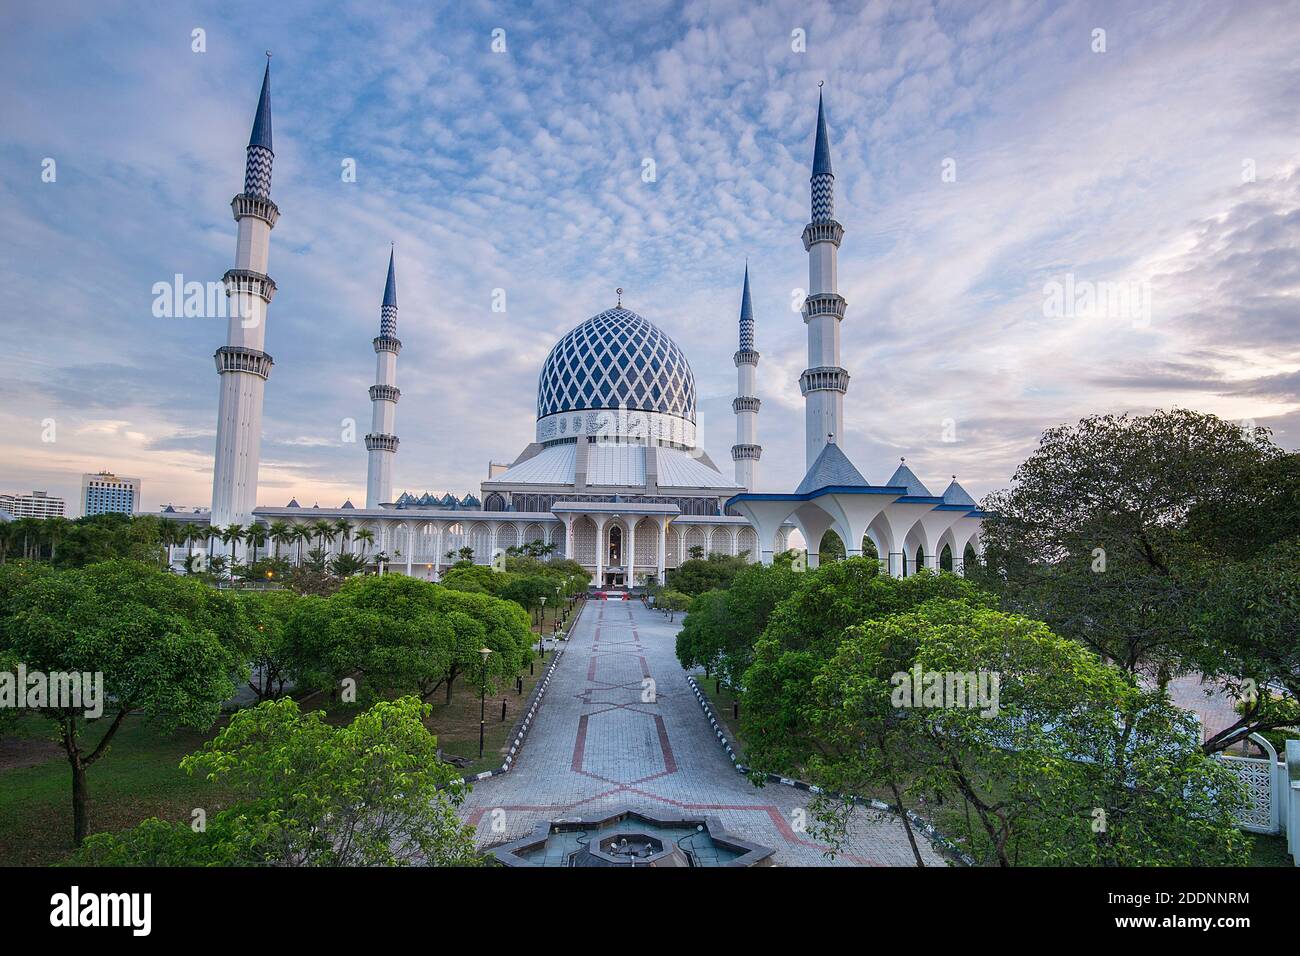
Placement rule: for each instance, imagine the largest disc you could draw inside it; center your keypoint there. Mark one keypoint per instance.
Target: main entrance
(614, 574)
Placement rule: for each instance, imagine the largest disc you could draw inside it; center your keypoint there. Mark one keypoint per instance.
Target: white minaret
(241, 363)
(746, 451)
(824, 382)
(381, 443)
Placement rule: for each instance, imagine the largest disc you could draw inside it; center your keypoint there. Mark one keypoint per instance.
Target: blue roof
(955, 494)
(348, 504)
(390, 287)
(822, 151)
(903, 476)
(293, 503)
(832, 467)
(262, 122)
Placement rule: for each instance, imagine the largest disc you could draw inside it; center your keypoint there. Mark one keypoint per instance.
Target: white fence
(1272, 792)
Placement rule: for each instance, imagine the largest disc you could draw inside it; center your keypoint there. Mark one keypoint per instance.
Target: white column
(600, 552)
(410, 548)
(663, 549)
(629, 577)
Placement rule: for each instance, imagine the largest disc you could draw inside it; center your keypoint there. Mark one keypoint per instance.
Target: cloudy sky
(987, 156)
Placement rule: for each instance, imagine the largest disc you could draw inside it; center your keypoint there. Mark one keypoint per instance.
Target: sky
(996, 165)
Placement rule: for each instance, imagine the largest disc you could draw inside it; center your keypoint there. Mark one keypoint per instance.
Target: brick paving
(598, 743)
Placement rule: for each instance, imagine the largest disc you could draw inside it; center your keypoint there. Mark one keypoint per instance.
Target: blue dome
(614, 360)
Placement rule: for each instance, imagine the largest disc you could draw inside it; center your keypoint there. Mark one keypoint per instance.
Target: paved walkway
(596, 745)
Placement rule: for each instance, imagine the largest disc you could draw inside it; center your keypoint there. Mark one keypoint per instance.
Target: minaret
(746, 452)
(381, 443)
(824, 382)
(241, 363)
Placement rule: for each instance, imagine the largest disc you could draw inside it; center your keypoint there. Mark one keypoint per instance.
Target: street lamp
(482, 700)
(541, 623)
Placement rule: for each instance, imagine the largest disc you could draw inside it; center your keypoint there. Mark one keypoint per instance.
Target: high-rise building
(104, 492)
(39, 504)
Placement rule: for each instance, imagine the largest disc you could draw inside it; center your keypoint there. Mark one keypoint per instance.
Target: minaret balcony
(823, 303)
(827, 230)
(746, 452)
(254, 283)
(745, 357)
(236, 358)
(259, 207)
(385, 393)
(381, 443)
(824, 379)
(745, 403)
(388, 343)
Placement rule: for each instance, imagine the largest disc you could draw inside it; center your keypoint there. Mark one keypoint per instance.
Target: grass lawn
(456, 724)
(1269, 851)
(721, 701)
(140, 776)
(137, 778)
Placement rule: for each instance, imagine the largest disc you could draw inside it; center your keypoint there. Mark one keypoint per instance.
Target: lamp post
(557, 610)
(482, 700)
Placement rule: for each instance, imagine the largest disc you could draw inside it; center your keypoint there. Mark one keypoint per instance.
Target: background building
(38, 504)
(105, 492)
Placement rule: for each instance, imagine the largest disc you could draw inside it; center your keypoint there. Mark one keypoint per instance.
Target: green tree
(672, 602)
(722, 627)
(708, 574)
(268, 614)
(165, 645)
(370, 793)
(1116, 529)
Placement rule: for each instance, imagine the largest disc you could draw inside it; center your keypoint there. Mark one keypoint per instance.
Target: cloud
(524, 172)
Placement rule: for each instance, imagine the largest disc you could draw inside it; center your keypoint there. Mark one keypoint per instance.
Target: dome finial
(620, 297)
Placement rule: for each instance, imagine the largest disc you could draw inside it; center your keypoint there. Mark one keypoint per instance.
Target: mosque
(614, 478)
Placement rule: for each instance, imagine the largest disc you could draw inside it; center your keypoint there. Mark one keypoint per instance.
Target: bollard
(503, 710)
(519, 685)
(735, 710)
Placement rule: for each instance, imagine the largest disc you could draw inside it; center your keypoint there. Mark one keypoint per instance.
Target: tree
(473, 578)
(722, 627)
(708, 574)
(1043, 743)
(366, 537)
(672, 602)
(232, 535)
(166, 645)
(280, 532)
(256, 536)
(268, 614)
(370, 793)
(1116, 530)
(346, 565)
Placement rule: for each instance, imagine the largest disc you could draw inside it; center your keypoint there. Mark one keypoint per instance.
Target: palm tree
(280, 532)
(366, 537)
(324, 531)
(303, 534)
(30, 531)
(169, 533)
(232, 536)
(6, 534)
(344, 528)
(58, 529)
(257, 535)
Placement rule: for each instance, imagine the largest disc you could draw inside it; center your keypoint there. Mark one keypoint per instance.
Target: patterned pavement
(596, 744)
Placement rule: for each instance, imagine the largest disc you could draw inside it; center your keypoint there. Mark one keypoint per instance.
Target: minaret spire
(746, 452)
(823, 382)
(241, 362)
(381, 443)
(257, 165)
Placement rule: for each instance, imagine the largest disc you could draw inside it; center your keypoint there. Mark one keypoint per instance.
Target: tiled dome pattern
(616, 359)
